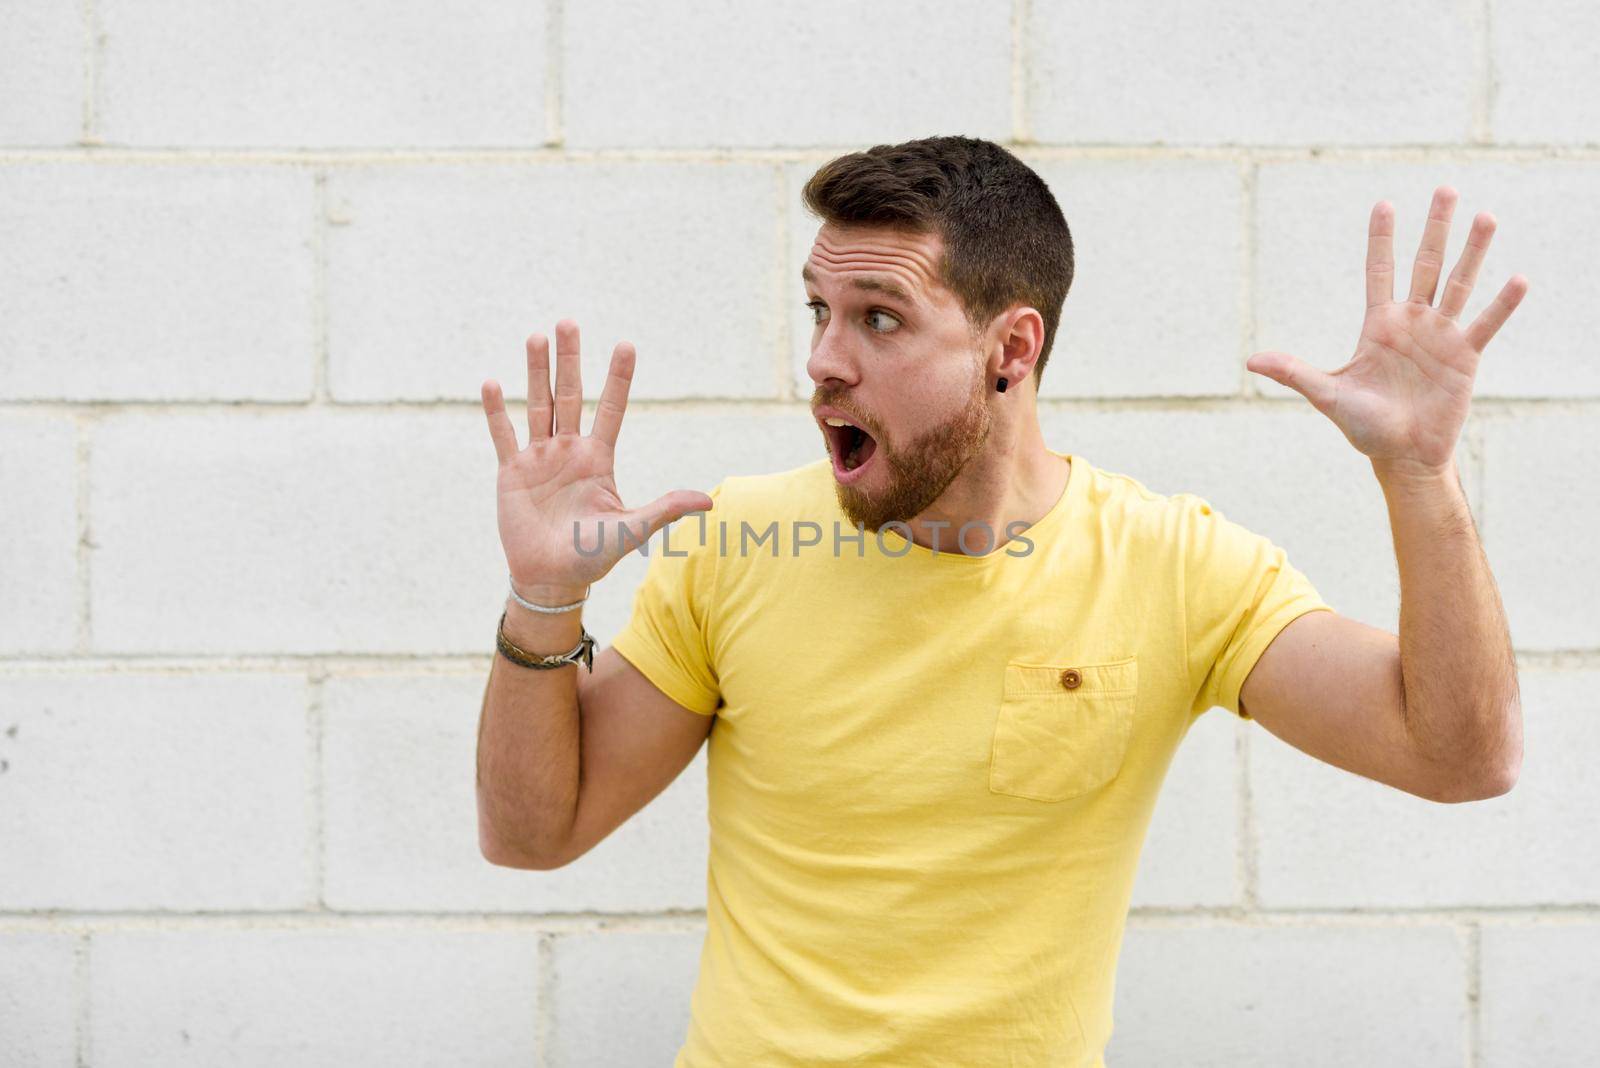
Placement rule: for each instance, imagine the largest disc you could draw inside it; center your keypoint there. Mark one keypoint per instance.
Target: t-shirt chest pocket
(1063, 728)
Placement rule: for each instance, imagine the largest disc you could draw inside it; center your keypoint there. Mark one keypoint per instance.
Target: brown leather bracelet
(583, 651)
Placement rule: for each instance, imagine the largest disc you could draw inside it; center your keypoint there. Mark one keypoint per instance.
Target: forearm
(1458, 668)
(528, 742)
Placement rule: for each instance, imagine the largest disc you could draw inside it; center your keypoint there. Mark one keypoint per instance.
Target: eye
(817, 308)
(886, 315)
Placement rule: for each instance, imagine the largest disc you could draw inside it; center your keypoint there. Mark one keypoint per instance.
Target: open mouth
(849, 445)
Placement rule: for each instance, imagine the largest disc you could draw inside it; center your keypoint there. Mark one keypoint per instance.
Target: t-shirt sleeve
(667, 636)
(1240, 592)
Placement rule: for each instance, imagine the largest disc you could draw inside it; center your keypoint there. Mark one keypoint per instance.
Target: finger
(1315, 386)
(538, 387)
(614, 397)
(569, 383)
(1492, 318)
(643, 522)
(1430, 256)
(1380, 254)
(1465, 276)
(500, 428)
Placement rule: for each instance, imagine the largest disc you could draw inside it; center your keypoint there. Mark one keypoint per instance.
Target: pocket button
(1070, 678)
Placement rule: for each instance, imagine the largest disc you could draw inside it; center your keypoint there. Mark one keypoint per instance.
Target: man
(941, 702)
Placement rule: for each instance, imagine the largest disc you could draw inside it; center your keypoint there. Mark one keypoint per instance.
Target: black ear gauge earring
(1000, 386)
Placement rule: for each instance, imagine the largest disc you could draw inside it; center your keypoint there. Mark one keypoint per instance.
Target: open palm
(561, 519)
(1403, 398)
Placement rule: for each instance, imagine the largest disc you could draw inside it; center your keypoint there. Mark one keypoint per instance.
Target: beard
(918, 472)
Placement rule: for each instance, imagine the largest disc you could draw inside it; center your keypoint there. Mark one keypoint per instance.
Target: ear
(1019, 338)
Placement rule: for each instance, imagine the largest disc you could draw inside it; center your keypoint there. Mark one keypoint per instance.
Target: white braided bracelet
(548, 609)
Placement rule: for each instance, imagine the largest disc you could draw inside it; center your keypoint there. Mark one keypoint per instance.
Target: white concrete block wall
(1300, 73)
(256, 261)
(164, 280)
(355, 74)
(368, 992)
(677, 73)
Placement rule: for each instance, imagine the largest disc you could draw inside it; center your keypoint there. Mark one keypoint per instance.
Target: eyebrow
(872, 283)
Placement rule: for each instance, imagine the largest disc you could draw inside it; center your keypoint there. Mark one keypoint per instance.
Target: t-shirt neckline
(893, 540)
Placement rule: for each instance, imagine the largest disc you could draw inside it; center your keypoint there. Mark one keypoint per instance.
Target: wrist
(542, 632)
(1411, 474)
(549, 595)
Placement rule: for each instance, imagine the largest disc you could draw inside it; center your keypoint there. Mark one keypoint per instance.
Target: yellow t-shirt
(931, 774)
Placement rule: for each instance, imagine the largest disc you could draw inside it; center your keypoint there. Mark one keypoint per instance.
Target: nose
(830, 364)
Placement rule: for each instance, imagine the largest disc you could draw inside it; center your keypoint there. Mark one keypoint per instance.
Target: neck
(1014, 479)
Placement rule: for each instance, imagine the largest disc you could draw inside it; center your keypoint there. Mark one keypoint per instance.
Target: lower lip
(845, 477)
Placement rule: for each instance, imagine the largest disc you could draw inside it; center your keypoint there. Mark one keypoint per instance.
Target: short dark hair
(1005, 239)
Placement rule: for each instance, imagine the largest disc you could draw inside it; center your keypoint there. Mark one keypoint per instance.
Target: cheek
(926, 392)
(923, 406)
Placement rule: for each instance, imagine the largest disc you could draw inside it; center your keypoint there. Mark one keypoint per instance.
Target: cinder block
(146, 791)
(1330, 838)
(324, 531)
(38, 997)
(1321, 997)
(369, 994)
(39, 528)
(135, 281)
(1286, 474)
(437, 275)
(1190, 856)
(399, 757)
(1540, 983)
(1133, 324)
(1541, 513)
(41, 74)
(1223, 73)
(1311, 253)
(349, 75)
(650, 974)
(827, 73)
(1546, 80)
(1159, 258)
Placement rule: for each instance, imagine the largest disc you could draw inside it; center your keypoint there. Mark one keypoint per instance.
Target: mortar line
(545, 984)
(555, 134)
(316, 804)
(1245, 854)
(783, 357)
(1492, 95)
(319, 289)
(1212, 403)
(684, 920)
(1021, 16)
(83, 1044)
(86, 109)
(1248, 181)
(1464, 152)
(83, 425)
(1483, 73)
(89, 922)
(447, 664)
(1474, 1021)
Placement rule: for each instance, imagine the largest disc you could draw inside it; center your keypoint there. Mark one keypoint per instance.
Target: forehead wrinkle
(923, 263)
(870, 283)
(895, 261)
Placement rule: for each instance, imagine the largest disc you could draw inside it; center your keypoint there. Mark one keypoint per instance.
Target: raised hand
(1403, 397)
(560, 488)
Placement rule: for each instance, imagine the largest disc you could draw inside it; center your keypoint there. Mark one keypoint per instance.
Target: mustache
(835, 401)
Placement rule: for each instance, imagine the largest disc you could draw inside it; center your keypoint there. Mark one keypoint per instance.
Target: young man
(942, 700)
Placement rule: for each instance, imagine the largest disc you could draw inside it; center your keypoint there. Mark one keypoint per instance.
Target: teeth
(837, 422)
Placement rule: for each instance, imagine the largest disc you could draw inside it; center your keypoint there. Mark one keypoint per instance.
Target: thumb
(665, 509)
(1286, 370)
